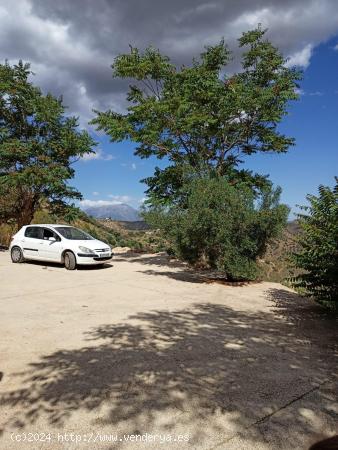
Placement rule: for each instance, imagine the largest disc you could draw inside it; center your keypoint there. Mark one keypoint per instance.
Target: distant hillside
(120, 212)
(275, 265)
(138, 225)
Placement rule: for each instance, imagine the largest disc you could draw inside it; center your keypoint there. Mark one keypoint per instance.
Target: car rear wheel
(70, 261)
(17, 255)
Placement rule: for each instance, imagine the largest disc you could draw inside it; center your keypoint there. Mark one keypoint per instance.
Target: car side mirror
(52, 239)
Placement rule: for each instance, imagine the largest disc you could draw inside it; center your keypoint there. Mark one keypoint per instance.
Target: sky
(72, 44)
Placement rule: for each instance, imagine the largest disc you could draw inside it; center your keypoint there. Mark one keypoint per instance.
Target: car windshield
(74, 234)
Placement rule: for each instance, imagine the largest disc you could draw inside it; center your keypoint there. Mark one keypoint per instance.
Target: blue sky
(115, 174)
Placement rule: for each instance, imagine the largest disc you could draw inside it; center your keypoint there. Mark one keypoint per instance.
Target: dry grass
(276, 265)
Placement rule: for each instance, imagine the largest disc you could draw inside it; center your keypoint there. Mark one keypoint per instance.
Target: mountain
(121, 212)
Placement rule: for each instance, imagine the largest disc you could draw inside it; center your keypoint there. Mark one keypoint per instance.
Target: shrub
(221, 226)
(318, 254)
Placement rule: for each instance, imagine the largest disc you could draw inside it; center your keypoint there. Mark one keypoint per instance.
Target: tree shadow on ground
(207, 368)
(158, 259)
(182, 275)
(180, 271)
(195, 276)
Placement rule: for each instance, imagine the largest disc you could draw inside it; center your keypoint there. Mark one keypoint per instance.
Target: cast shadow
(180, 271)
(189, 366)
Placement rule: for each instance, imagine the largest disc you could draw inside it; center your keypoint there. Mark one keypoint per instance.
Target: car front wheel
(70, 261)
(17, 255)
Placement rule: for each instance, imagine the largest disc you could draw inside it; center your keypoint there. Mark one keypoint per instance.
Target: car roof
(53, 225)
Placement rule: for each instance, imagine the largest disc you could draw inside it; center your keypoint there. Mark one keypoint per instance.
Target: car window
(74, 234)
(33, 232)
(47, 233)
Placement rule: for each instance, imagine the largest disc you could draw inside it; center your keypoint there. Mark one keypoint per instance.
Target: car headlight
(85, 249)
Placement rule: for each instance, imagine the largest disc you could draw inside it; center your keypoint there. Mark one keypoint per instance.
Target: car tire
(70, 261)
(16, 255)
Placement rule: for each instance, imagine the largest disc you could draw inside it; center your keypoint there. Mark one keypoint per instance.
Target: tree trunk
(26, 213)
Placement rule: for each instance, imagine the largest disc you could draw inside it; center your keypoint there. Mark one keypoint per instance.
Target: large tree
(38, 144)
(199, 118)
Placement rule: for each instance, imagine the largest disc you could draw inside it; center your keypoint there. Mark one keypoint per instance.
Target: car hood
(91, 244)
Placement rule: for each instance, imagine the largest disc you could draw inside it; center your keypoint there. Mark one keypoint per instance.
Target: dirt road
(142, 354)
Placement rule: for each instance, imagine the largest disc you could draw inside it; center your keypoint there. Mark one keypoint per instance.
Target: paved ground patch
(142, 354)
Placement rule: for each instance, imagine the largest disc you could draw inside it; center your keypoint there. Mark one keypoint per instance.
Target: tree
(38, 145)
(196, 117)
(221, 226)
(318, 242)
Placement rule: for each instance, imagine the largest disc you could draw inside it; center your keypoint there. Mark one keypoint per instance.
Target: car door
(30, 242)
(50, 246)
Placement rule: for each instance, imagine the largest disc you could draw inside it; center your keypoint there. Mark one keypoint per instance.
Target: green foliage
(318, 253)
(221, 225)
(38, 144)
(195, 116)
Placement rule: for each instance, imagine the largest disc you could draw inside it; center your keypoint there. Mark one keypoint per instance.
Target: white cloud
(316, 93)
(98, 155)
(120, 198)
(335, 47)
(96, 193)
(131, 166)
(299, 91)
(86, 203)
(313, 94)
(301, 58)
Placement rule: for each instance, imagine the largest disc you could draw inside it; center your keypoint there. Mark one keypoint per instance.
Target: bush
(221, 226)
(318, 254)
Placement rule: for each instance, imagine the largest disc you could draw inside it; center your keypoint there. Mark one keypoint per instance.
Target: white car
(58, 243)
